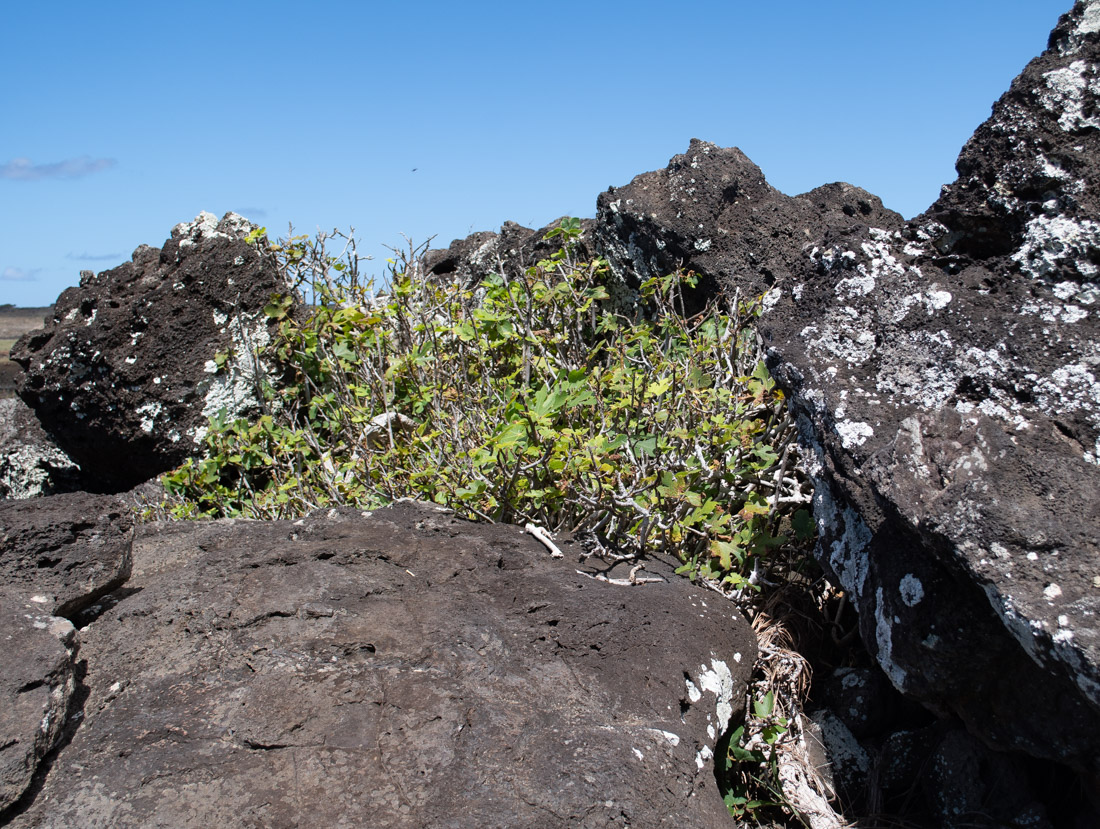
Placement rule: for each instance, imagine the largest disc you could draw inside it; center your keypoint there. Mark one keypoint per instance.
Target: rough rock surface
(405, 669)
(124, 375)
(946, 379)
(66, 550)
(37, 684)
(58, 555)
(31, 462)
(711, 211)
(514, 248)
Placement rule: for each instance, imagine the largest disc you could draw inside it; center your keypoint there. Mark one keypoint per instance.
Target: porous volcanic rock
(516, 247)
(945, 377)
(712, 211)
(124, 375)
(31, 462)
(404, 669)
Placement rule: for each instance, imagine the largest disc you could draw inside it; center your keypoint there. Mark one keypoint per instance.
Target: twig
(543, 536)
(631, 582)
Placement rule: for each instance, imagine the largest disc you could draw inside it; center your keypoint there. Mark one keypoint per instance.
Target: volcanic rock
(31, 462)
(513, 249)
(127, 372)
(945, 379)
(37, 684)
(58, 555)
(402, 669)
(66, 550)
(944, 376)
(711, 211)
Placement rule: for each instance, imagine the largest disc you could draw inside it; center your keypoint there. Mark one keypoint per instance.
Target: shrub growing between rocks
(525, 398)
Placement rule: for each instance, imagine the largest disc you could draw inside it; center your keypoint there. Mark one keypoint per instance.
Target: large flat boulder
(126, 373)
(401, 669)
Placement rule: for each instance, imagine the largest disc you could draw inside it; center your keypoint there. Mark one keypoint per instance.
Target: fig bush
(553, 396)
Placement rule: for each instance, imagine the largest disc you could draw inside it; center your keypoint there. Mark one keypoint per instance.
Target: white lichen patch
(911, 589)
(673, 739)
(850, 538)
(1073, 387)
(853, 433)
(1052, 592)
(149, 412)
(884, 626)
(845, 336)
(1049, 240)
(694, 694)
(232, 389)
(718, 680)
(702, 756)
(1090, 19)
(1073, 313)
(1088, 23)
(771, 298)
(1067, 92)
(937, 299)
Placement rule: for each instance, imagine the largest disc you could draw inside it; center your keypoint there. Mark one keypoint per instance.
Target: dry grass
(15, 322)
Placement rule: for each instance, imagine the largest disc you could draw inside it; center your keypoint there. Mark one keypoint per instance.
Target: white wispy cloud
(19, 274)
(23, 169)
(93, 257)
(252, 212)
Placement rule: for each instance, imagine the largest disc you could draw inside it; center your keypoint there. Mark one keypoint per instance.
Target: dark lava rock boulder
(125, 374)
(711, 211)
(513, 249)
(403, 669)
(31, 462)
(946, 376)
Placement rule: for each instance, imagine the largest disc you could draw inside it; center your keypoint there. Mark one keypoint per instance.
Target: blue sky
(120, 119)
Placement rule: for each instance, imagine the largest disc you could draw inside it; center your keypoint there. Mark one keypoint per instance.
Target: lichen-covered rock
(31, 463)
(861, 698)
(126, 374)
(946, 376)
(404, 669)
(516, 247)
(711, 211)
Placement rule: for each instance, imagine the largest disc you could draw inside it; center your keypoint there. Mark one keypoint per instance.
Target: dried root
(775, 730)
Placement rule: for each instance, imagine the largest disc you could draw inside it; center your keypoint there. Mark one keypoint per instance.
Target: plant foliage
(530, 397)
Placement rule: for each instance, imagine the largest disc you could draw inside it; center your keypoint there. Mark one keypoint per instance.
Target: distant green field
(5, 347)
